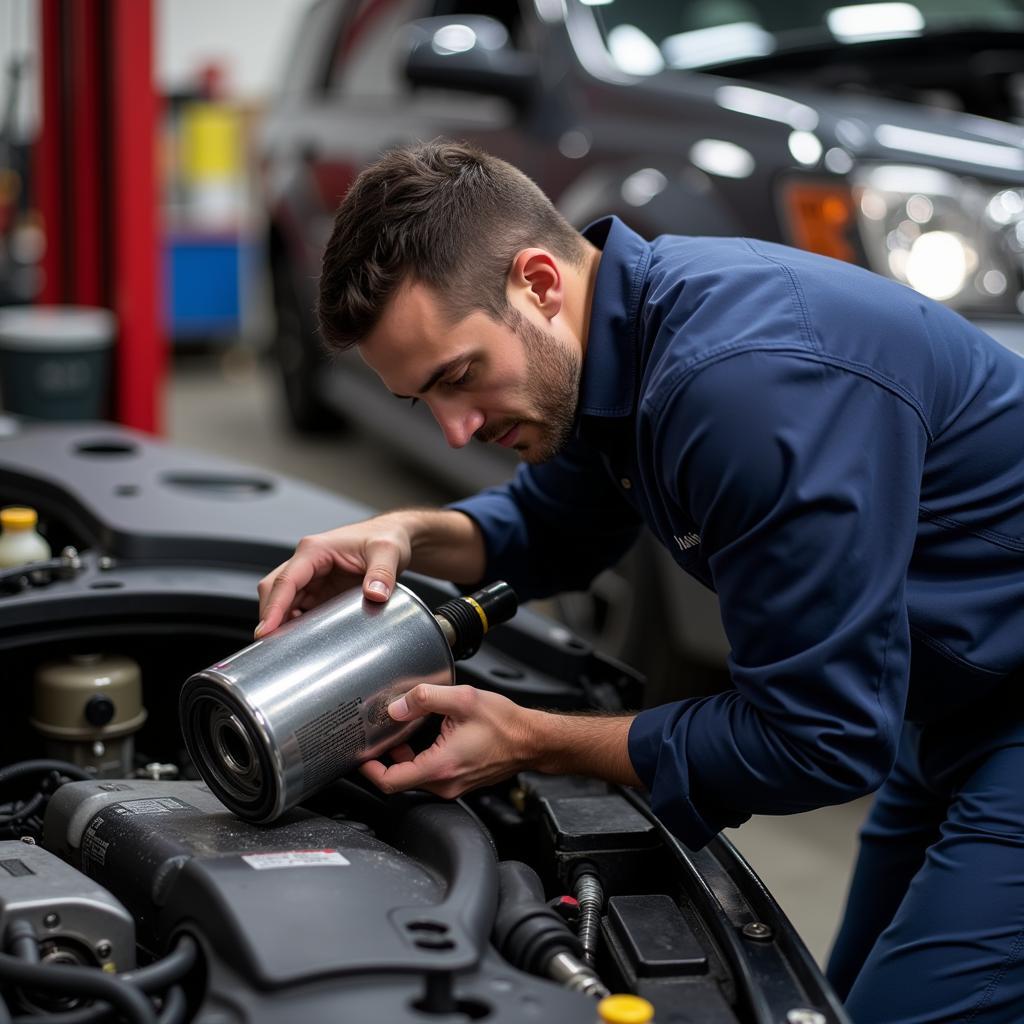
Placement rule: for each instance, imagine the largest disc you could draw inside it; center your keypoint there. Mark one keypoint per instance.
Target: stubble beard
(552, 390)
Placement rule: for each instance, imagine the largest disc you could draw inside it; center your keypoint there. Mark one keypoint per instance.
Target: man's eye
(467, 375)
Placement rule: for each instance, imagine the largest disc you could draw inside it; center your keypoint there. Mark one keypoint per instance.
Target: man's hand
(439, 542)
(375, 552)
(485, 738)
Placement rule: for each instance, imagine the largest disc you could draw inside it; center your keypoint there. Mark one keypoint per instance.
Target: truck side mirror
(472, 54)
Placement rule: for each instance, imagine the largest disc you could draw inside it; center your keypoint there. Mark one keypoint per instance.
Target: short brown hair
(440, 213)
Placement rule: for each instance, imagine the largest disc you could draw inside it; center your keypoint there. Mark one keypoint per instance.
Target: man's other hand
(484, 739)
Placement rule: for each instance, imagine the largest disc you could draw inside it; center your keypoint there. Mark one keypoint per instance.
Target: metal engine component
(89, 707)
(589, 893)
(74, 919)
(295, 710)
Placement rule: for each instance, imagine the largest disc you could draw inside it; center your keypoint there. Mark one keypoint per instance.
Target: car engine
(129, 892)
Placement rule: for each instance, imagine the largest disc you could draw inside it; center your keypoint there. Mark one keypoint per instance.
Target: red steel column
(48, 153)
(86, 138)
(133, 110)
(95, 169)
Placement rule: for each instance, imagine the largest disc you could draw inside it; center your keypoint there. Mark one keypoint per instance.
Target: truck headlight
(954, 239)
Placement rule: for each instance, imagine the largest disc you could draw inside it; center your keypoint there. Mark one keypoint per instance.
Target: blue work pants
(934, 923)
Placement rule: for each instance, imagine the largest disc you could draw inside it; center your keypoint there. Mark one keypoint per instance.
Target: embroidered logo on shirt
(687, 541)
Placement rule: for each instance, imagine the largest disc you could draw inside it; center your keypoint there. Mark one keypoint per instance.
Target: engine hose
(21, 940)
(174, 1008)
(168, 970)
(41, 766)
(78, 981)
(26, 810)
(530, 935)
(589, 893)
(154, 977)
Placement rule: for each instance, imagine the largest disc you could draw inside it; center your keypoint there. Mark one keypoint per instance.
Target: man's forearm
(445, 543)
(594, 745)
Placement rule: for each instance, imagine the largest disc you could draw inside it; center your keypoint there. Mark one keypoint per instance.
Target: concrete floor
(226, 402)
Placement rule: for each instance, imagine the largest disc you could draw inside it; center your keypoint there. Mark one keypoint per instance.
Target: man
(838, 457)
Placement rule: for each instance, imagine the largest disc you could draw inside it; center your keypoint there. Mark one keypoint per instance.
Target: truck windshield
(647, 36)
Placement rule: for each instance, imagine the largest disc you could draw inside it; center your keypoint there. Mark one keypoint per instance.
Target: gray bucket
(55, 361)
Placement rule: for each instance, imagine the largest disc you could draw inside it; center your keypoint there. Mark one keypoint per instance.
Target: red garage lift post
(97, 186)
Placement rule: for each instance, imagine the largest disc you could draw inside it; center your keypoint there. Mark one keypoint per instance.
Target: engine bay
(128, 891)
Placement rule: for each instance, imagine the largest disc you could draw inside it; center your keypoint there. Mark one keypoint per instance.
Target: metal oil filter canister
(271, 724)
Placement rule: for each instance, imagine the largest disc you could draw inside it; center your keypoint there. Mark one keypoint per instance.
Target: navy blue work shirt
(840, 458)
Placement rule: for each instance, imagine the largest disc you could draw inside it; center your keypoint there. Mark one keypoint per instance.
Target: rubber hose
(168, 970)
(27, 809)
(174, 1008)
(16, 771)
(78, 981)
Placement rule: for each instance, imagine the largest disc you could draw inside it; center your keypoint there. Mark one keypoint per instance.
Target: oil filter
(297, 709)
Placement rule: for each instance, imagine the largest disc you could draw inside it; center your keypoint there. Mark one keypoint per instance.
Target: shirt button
(626, 482)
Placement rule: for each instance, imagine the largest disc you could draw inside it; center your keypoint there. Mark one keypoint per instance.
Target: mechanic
(837, 456)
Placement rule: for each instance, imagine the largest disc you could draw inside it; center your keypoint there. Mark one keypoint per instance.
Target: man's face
(515, 384)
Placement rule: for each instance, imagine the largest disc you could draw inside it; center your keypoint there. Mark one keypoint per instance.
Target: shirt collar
(607, 385)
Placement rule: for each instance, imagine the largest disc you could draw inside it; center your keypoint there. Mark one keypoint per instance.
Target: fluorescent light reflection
(642, 186)
(453, 39)
(726, 159)
(860, 22)
(805, 147)
(717, 45)
(965, 150)
(770, 106)
(634, 51)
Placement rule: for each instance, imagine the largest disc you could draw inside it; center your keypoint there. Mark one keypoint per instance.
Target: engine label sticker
(150, 805)
(294, 859)
(94, 849)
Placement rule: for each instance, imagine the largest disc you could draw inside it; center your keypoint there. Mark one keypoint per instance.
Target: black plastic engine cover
(306, 897)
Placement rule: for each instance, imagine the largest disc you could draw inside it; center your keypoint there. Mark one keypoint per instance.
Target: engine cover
(310, 908)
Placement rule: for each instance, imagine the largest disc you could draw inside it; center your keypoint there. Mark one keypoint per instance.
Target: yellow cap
(625, 1010)
(18, 517)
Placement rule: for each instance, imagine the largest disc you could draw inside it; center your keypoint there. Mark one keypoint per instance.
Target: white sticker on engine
(151, 805)
(294, 859)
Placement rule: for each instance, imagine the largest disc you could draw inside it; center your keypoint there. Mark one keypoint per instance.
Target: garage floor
(226, 402)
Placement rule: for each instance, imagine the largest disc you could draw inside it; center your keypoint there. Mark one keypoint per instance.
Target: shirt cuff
(657, 750)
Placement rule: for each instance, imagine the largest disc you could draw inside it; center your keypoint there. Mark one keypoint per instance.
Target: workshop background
(205, 246)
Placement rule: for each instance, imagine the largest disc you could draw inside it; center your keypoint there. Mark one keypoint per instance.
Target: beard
(552, 390)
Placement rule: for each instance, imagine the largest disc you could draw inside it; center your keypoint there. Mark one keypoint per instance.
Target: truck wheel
(301, 365)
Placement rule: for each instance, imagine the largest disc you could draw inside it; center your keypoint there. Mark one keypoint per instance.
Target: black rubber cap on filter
(99, 710)
(473, 615)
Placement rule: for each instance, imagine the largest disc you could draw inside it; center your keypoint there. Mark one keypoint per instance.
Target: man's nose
(459, 425)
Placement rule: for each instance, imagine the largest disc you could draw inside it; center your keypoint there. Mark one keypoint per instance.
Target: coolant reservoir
(20, 542)
(89, 707)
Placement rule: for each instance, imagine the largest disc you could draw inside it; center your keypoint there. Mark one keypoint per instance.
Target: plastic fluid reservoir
(20, 542)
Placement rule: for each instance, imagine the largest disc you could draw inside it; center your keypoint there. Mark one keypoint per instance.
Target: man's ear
(537, 278)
